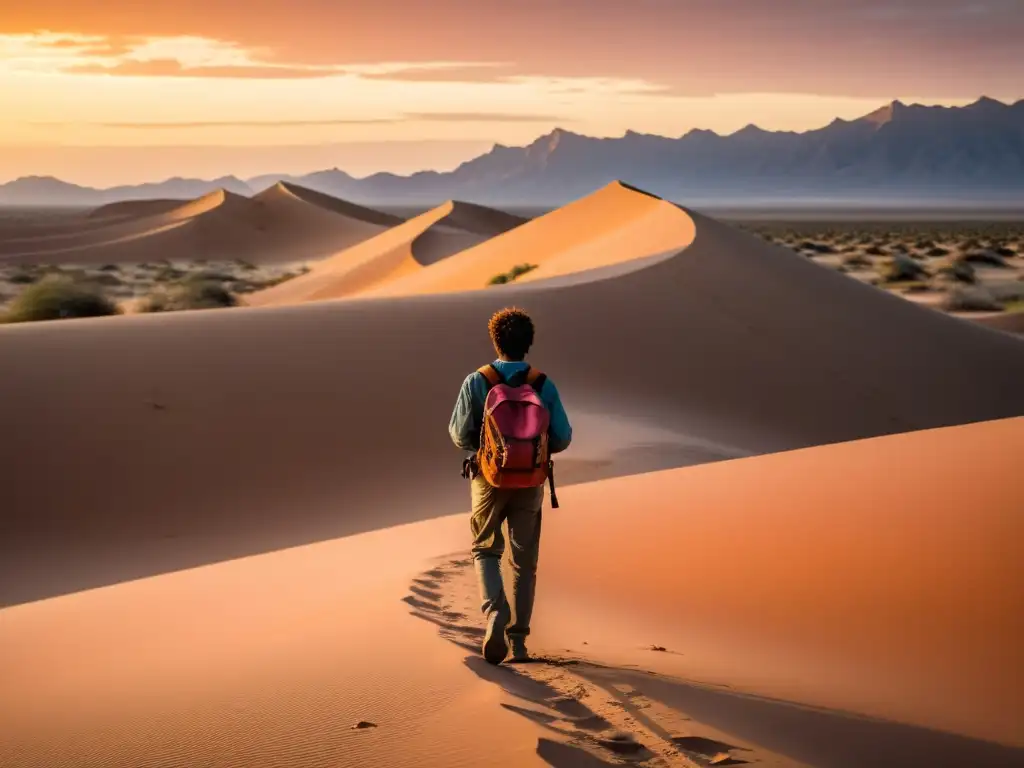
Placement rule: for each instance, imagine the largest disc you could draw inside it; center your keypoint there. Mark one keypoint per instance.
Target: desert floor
(789, 524)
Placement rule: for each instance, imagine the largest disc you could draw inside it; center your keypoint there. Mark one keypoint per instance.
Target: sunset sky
(122, 91)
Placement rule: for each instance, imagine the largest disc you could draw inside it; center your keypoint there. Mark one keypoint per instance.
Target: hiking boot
(519, 654)
(495, 647)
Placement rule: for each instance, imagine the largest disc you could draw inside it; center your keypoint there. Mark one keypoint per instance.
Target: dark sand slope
(191, 437)
(131, 209)
(399, 251)
(282, 224)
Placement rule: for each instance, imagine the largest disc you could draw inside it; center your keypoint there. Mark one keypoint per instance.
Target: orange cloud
(174, 68)
(443, 117)
(868, 48)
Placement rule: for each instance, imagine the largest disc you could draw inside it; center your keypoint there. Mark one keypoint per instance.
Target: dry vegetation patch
(970, 266)
(157, 286)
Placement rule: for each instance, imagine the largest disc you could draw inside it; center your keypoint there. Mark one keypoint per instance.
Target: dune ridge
(402, 250)
(615, 224)
(237, 439)
(133, 208)
(282, 224)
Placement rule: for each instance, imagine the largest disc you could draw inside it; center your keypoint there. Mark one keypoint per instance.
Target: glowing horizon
(228, 90)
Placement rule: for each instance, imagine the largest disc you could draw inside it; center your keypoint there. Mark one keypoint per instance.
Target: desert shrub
(901, 268)
(875, 250)
(211, 275)
(970, 299)
(57, 297)
(959, 271)
(512, 274)
(189, 294)
(108, 279)
(917, 288)
(810, 245)
(1007, 292)
(241, 286)
(858, 261)
(167, 274)
(935, 251)
(23, 277)
(110, 268)
(1005, 251)
(247, 266)
(986, 258)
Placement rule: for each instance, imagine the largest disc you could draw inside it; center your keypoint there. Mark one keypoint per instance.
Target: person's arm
(463, 427)
(560, 430)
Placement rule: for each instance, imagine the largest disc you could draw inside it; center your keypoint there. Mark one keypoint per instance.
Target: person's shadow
(809, 736)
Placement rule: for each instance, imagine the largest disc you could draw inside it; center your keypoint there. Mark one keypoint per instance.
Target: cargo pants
(519, 509)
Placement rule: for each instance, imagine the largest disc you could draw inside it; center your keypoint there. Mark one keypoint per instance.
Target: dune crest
(282, 224)
(615, 225)
(402, 250)
(129, 209)
(287, 191)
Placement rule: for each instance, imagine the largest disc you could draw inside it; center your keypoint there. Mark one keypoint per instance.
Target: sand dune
(280, 225)
(403, 250)
(613, 225)
(793, 577)
(133, 208)
(197, 437)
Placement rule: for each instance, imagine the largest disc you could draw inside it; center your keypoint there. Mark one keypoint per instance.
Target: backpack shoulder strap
(536, 379)
(491, 374)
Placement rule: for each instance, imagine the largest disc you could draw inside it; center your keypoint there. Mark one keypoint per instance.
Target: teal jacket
(468, 415)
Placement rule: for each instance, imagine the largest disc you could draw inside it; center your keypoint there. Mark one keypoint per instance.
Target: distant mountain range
(897, 153)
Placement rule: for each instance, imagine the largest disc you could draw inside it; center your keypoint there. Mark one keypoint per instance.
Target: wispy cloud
(174, 68)
(242, 124)
(485, 117)
(457, 72)
(698, 47)
(442, 117)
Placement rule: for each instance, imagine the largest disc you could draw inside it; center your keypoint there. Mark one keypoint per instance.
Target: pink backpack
(514, 434)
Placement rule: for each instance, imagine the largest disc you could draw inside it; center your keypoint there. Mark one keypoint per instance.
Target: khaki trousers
(518, 511)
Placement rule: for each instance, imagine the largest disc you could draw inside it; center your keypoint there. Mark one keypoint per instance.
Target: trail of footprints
(615, 723)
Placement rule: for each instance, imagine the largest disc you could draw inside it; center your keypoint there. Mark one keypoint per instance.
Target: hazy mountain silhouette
(897, 152)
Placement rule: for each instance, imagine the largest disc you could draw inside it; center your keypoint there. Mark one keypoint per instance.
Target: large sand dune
(402, 250)
(140, 445)
(282, 224)
(615, 225)
(126, 209)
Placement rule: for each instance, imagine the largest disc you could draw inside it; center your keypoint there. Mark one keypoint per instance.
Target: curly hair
(511, 332)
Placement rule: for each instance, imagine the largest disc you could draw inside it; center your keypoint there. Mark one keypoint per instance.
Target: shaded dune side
(329, 203)
(616, 224)
(275, 226)
(405, 249)
(254, 429)
(133, 208)
(874, 576)
(93, 234)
